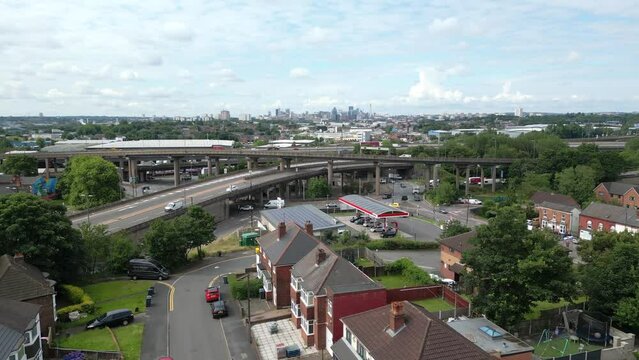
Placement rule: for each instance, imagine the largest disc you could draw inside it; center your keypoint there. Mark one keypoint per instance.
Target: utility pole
(248, 298)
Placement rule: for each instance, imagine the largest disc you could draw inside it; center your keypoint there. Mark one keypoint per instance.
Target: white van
(275, 204)
(174, 205)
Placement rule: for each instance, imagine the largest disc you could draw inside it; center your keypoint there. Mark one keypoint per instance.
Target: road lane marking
(228, 348)
(214, 279)
(171, 293)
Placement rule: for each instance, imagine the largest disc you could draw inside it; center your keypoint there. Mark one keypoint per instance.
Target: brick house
(606, 217)
(618, 193)
(324, 288)
(279, 251)
(404, 331)
(20, 281)
(542, 196)
(556, 212)
(20, 337)
(450, 254)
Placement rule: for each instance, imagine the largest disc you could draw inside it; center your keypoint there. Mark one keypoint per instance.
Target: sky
(185, 58)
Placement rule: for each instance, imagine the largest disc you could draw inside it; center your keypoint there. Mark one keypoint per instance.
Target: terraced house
(324, 288)
(617, 193)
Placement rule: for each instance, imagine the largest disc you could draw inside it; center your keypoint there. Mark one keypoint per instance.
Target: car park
(390, 232)
(394, 204)
(212, 293)
(218, 309)
(111, 319)
(246, 207)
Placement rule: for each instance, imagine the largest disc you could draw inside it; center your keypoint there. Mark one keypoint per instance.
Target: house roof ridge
(288, 244)
(425, 338)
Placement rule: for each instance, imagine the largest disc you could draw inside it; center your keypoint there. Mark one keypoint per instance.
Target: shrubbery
(82, 302)
(410, 271)
(238, 287)
(401, 244)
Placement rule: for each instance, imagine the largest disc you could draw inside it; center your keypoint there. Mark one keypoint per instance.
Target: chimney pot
(320, 257)
(281, 228)
(396, 316)
(308, 226)
(18, 257)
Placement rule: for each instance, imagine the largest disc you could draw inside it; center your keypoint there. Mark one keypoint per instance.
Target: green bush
(401, 244)
(410, 271)
(82, 302)
(238, 287)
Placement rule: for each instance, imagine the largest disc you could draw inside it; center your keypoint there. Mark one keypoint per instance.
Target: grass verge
(395, 281)
(229, 243)
(434, 304)
(129, 337)
(364, 262)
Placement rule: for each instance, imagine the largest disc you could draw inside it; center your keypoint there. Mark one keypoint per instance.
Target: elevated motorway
(136, 214)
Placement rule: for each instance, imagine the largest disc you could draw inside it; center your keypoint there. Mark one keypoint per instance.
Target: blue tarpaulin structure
(44, 186)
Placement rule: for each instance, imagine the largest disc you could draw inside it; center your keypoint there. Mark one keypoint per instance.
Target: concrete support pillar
(456, 177)
(329, 167)
(282, 164)
(436, 175)
(493, 174)
(427, 177)
(176, 171)
(217, 167)
(261, 198)
(466, 190)
(46, 167)
(481, 176)
(249, 164)
(288, 191)
(134, 169)
(55, 166)
(121, 169)
(227, 208)
(288, 163)
(209, 166)
(378, 175)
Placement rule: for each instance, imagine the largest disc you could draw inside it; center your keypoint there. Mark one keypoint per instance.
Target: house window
(544, 212)
(329, 307)
(589, 225)
(600, 227)
(600, 193)
(563, 216)
(349, 336)
(307, 298)
(361, 350)
(295, 309)
(632, 198)
(562, 229)
(612, 228)
(308, 326)
(296, 283)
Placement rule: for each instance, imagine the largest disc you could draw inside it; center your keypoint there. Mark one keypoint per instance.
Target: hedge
(401, 244)
(410, 271)
(238, 287)
(82, 302)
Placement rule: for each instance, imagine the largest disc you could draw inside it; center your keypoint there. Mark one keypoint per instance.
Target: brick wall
(46, 312)
(454, 298)
(413, 293)
(320, 322)
(583, 223)
(602, 193)
(448, 258)
(282, 280)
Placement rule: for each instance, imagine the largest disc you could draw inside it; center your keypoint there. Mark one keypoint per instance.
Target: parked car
(382, 181)
(435, 277)
(417, 197)
(231, 188)
(341, 231)
(355, 217)
(111, 319)
(402, 185)
(359, 221)
(246, 208)
(387, 196)
(146, 269)
(474, 202)
(394, 204)
(332, 206)
(174, 205)
(390, 232)
(378, 228)
(449, 282)
(404, 197)
(212, 293)
(146, 189)
(442, 211)
(218, 309)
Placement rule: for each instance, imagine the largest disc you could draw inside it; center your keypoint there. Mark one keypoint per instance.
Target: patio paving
(287, 334)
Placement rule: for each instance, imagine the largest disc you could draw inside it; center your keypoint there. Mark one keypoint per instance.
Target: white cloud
(317, 35)
(428, 88)
(226, 75)
(158, 92)
(129, 75)
(151, 59)
(55, 94)
(454, 70)
(108, 92)
(177, 31)
(184, 74)
(299, 73)
(443, 25)
(507, 95)
(573, 56)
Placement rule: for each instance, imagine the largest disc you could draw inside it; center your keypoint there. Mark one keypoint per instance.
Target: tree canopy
(41, 231)
(444, 193)
(318, 188)
(20, 165)
(90, 181)
(577, 182)
(452, 228)
(513, 267)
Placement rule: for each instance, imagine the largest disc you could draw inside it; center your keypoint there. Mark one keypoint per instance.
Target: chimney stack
(18, 258)
(320, 256)
(308, 226)
(281, 230)
(396, 316)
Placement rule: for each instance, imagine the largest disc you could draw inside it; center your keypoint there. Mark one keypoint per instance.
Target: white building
(519, 112)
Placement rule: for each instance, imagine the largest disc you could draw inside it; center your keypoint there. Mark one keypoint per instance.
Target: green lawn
(554, 348)
(434, 304)
(395, 281)
(129, 337)
(535, 313)
(364, 262)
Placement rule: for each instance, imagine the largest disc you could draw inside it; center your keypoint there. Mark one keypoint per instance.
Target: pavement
(188, 331)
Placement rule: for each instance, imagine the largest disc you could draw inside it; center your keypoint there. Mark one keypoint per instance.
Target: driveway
(190, 330)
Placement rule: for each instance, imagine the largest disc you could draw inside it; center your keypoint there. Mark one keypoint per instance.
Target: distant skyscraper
(334, 114)
(277, 112)
(350, 113)
(245, 117)
(519, 112)
(225, 115)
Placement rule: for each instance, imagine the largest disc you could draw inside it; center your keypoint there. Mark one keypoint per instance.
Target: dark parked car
(112, 318)
(360, 221)
(402, 185)
(332, 206)
(387, 196)
(390, 232)
(417, 197)
(404, 197)
(146, 269)
(355, 218)
(442, 211)
(218, 309)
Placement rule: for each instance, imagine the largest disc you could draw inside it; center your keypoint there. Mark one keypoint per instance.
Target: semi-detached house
(618, 193)
(606, 217)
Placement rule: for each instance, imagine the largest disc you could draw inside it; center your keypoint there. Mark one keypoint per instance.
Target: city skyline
(174, 59)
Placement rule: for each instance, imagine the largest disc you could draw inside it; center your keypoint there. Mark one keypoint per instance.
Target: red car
(212, 293)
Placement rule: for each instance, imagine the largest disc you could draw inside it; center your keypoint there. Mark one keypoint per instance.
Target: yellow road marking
(171, 293)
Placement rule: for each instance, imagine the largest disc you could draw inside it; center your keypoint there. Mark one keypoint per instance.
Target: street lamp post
(88, 199)
(467, 207)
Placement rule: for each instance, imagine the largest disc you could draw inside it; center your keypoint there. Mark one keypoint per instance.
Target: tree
(41, 231)
(165, 244)
(90, 181)
(318, 188)
(41, 143)
(627, 311)
(452, 228)
(20, 165)
(445, 193)
(198, 225)
(357, 148)
(533, 182)
(577, 182)
(97, 242)
(513, 267)
(120, 252)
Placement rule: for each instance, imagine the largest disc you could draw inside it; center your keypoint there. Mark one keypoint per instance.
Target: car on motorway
(111, 319)
(212, 294)
(218, 309)
(387, 195)
(246, 207)
(174, 205)
(390, 232)
(394, 204)
(231, 188)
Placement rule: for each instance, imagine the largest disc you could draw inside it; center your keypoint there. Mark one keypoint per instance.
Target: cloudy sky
(194, 57)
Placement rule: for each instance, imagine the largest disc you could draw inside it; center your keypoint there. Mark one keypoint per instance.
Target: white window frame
(296, 283)
(589, 224)
(600, 227)
(365, 350)
(329, 307)
(308, 298)
(348, 336)
(305, 325)
(295, 309)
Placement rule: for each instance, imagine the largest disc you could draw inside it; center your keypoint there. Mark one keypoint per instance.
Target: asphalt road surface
(193, 333)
